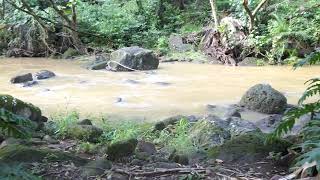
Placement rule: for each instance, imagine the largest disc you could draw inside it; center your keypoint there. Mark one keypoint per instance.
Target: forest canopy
(278, 31)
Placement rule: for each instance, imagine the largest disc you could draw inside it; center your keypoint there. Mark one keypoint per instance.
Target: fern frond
(290, 118)
(311, 59)
(312, 90)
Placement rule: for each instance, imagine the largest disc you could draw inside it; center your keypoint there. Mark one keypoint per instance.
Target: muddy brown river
(180, 88)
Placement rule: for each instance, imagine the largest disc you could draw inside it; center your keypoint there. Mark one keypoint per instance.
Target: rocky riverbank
(196, 147)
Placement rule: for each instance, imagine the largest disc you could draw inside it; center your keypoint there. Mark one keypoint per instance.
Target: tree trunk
(74, 33)
(214, 13)
(160, 14)
(3, 11)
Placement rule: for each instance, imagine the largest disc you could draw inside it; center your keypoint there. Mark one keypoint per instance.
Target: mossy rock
(27, 154)
(88, 133)
(96, 168)
(18, 107)
(122, 149)
(207, 134)
(70, 53)
(247, 148)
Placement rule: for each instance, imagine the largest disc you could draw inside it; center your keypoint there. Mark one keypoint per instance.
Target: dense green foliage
(310, 146)
(284, 31)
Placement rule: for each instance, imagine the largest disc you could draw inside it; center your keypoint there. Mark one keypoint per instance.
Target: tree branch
(260, 5)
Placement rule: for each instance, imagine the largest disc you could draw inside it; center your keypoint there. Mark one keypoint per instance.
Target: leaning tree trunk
(214, 13)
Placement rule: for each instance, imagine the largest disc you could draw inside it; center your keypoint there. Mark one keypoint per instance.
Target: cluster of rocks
(29, 79)
(229, 138)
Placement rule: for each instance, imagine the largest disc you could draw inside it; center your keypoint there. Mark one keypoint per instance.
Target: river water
(180, 88)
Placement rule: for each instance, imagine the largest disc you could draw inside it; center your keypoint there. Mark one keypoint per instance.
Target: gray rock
(176, 44)
(98, 65)
(96, 168)
(146, 147)
(30, 83)
(21, 78)
(162, 83)
(130, 81)
(248, 61)
(238, 126)
(264, 99)
(269, 123)
(85, 122)
(134, 58)
(121, 149)
(44, 74)
(211, 131)
(232, 113)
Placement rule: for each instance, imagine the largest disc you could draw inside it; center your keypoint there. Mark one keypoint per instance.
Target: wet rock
(130, 81)
(146, 147)
(30, 83)
(176, 44)
(269, 123)
(121, 149)
(44, 74)
(249, 61)
(238, 126)
(18, 107)
(98, 65)
(96, 168)
(168, 60)
(264, 99)
(22, 78)
(85, 122)
(210, 107)
(162, 83)
(118, 100)
(70, 53)
(232, 113)
(88, 133)
(134, 58)
(27, 154)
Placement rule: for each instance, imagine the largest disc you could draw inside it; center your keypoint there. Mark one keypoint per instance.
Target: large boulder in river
(44, 74)
(136, 58)
(264, 99)
(21, 78)
(21, 108)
